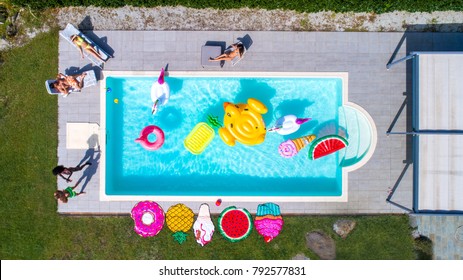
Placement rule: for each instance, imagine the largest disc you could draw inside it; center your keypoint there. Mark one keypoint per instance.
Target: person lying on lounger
(82, 45)
(66, 83)
(230, 53)
(61, 86)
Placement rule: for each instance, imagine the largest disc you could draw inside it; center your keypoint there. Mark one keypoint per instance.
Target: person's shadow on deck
(91, 170)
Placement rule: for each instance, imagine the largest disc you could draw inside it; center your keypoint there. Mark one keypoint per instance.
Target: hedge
(377, 6)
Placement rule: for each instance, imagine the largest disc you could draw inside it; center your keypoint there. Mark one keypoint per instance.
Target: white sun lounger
(71, 30)
(89, 80)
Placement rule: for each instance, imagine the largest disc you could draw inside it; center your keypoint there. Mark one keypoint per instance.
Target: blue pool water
(220, 170)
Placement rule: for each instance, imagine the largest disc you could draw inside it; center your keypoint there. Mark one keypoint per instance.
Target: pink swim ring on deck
(143, 139)
(148, 217)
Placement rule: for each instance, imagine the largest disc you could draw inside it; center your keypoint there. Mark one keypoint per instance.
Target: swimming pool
(244, 173)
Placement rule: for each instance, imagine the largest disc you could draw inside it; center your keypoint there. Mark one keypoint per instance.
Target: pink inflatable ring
(143, 139)
(148, 217)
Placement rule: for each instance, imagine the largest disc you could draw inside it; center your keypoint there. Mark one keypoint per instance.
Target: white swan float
(160, 92)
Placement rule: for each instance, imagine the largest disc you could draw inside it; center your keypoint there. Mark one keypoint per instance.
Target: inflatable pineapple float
(179, 219)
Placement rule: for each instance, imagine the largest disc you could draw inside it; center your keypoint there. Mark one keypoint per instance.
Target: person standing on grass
(66, 193)
(62, 171)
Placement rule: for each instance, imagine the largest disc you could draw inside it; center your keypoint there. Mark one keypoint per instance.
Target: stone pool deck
(363, 55)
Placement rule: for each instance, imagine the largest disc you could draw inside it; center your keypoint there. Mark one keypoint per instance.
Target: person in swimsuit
(61, 171)
(66, 83)
(83, 45)
(66, 193)
(233, 51)
(61, 86)
(72, 80)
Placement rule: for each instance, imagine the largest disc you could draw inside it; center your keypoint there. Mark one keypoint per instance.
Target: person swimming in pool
(83, 45)
(233, 51)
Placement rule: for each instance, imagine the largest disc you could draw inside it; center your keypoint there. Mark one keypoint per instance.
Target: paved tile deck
(362, 55)
(446, 233)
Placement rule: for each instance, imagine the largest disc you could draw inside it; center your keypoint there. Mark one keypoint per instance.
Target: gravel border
(182, 18)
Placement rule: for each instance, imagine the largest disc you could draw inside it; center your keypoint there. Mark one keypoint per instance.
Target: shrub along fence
(376, 6)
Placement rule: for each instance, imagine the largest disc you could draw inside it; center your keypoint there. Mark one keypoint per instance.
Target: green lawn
(297, 5)
(30, 228)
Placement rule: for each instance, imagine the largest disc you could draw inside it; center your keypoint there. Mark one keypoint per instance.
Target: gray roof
(438, 123)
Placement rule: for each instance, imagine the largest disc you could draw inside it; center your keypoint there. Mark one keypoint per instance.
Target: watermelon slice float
(235, 224)
(326, 145)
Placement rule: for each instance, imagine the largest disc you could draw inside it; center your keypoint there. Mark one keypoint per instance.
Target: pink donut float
(148, 217)
(143, 139)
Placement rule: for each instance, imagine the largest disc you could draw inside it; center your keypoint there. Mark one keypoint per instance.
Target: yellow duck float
(243, 123)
